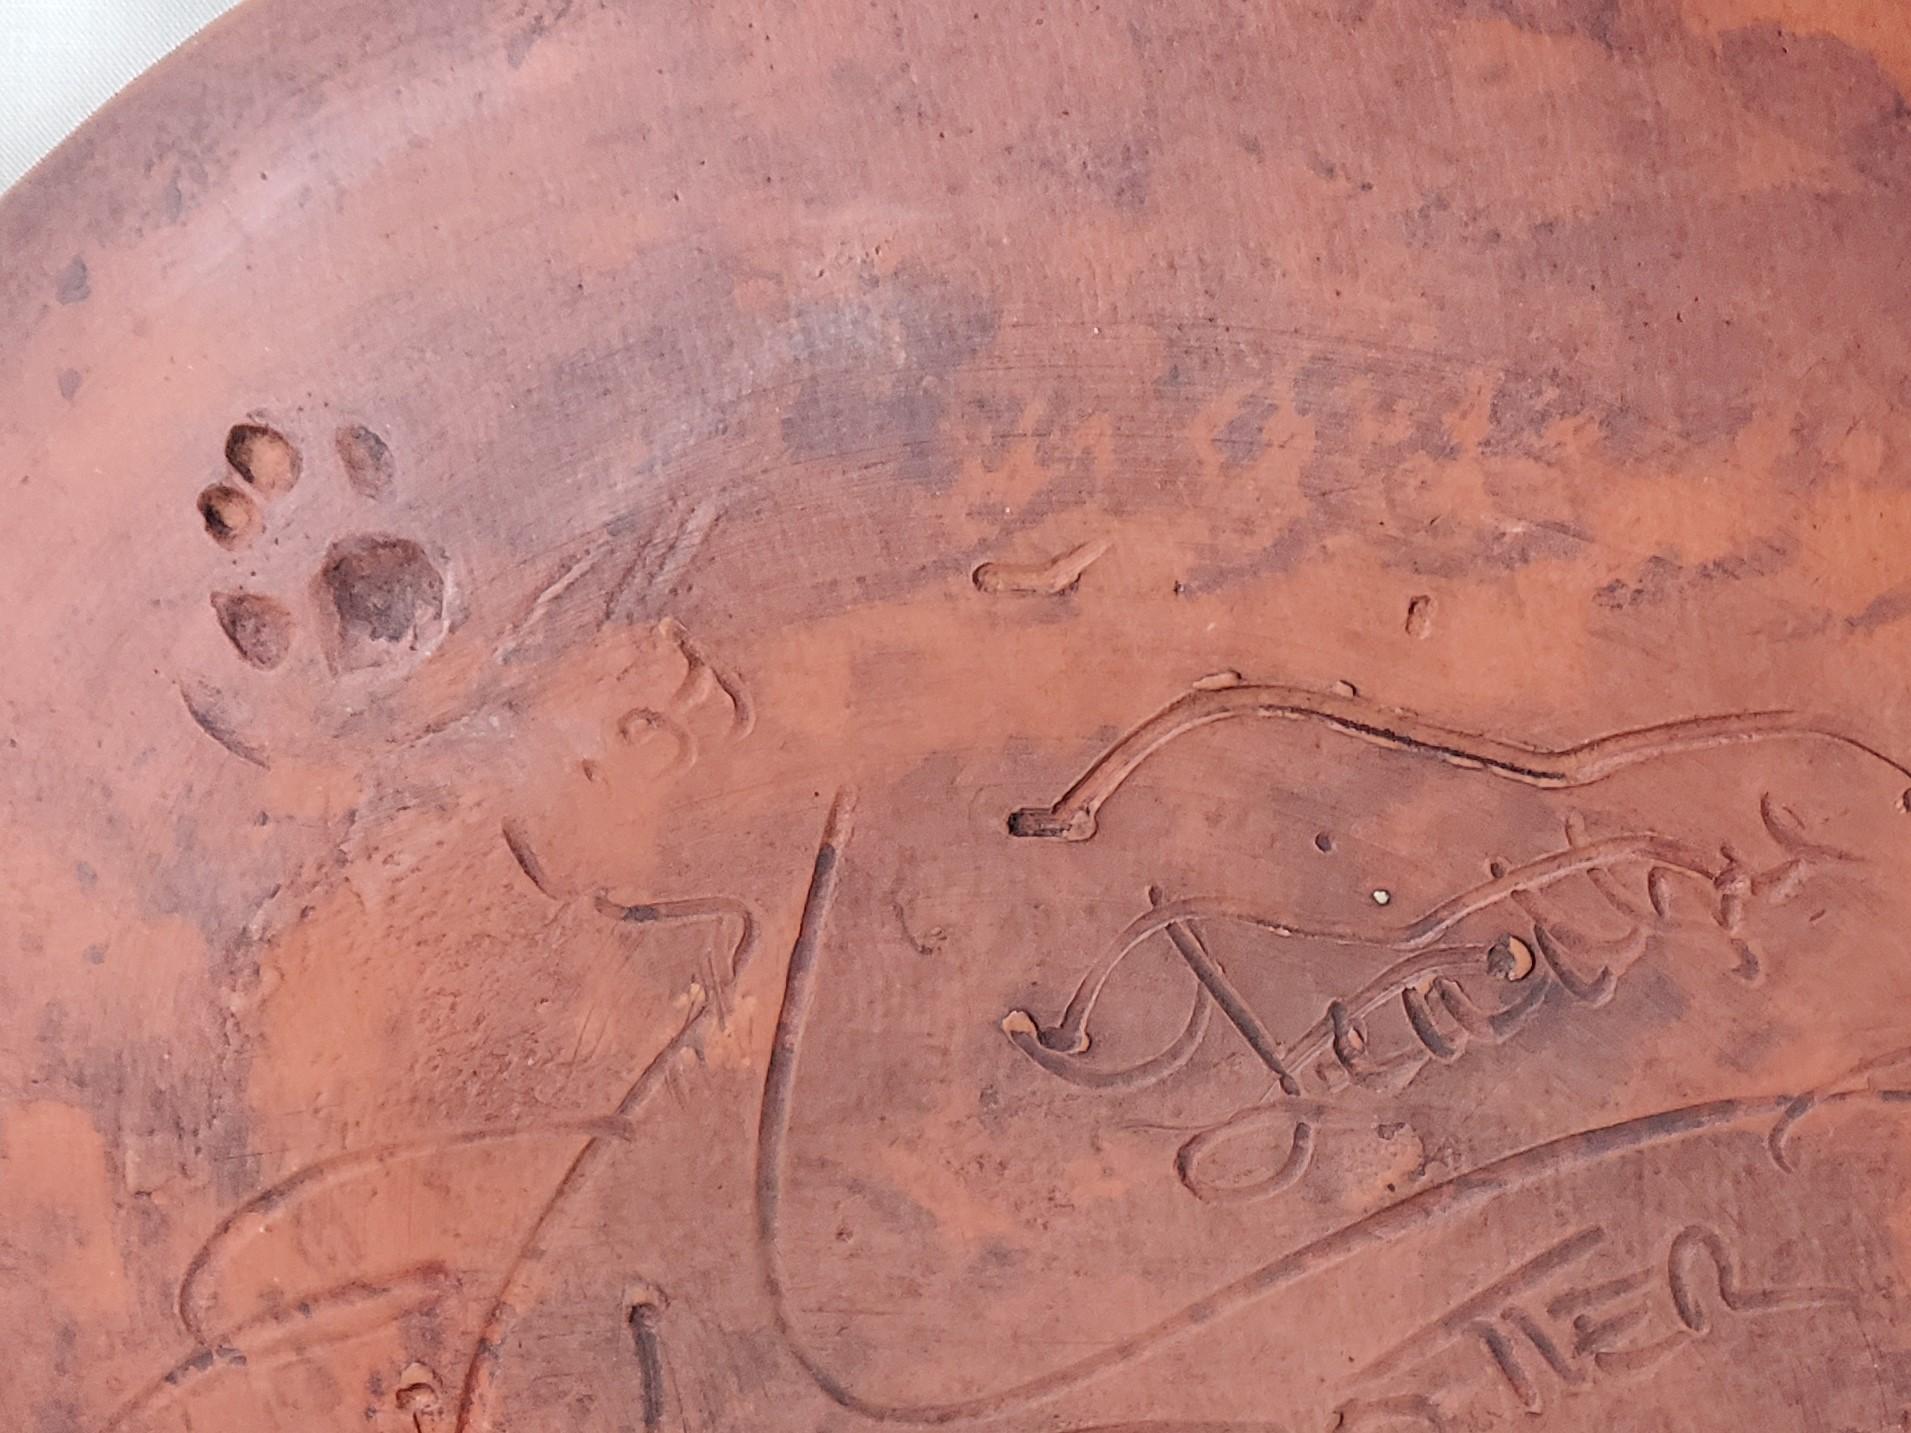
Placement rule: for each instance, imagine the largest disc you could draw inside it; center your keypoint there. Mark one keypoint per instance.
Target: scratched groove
(1072, 816)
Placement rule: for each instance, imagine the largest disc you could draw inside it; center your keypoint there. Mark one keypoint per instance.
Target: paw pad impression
(375, 598)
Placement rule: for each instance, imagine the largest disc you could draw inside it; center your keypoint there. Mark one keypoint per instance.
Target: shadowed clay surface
(1070, 718)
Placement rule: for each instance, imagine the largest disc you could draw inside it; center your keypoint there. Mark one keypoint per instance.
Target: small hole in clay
(259, 628)
(1323, 843)
(418, 1396)
(386, 597)
(367, 461)
(1510, 958)
(264, 457)
(229, 515)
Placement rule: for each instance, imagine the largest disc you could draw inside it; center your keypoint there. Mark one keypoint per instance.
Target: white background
(62, 59)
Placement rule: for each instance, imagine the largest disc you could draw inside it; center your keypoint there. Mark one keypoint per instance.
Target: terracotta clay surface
(834, 717)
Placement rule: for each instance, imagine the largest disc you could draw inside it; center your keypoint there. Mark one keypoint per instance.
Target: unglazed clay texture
(1056, 718)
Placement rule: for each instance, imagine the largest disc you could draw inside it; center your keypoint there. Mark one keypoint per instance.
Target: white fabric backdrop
(62, 59)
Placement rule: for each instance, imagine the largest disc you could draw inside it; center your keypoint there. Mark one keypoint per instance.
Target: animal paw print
(375, 599)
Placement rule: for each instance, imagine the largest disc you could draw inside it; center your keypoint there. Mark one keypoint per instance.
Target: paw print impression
(366, 599)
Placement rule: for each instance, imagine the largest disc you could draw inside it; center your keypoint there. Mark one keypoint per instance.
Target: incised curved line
(1073, 816)
(1211, 987)
(325, 1174)
(1300, 1154)
(1024, 1035)
(1695, 1242)
(403, 1292)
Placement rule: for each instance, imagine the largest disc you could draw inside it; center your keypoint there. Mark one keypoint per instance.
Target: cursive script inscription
(1445, 995)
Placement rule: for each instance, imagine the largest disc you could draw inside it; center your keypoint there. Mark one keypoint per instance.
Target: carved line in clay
(646, 1337)
(248, 1220)
(702, 671)
(347, 1311)
(202, 707)
(1040, 579)
(1073, 816)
